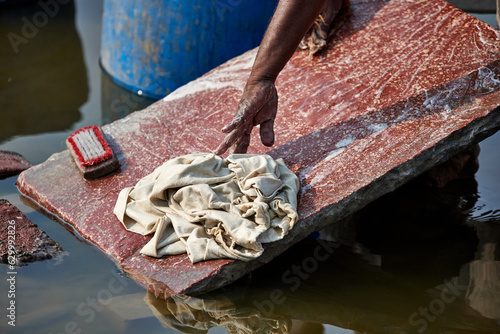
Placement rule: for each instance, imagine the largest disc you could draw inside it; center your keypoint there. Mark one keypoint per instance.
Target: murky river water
(417, 260)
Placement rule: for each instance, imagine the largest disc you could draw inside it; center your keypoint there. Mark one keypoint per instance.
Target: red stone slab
(403, 86)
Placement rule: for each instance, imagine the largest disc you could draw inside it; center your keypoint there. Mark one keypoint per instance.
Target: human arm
(259, 101)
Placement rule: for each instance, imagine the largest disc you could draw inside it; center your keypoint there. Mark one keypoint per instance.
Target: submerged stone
(402, 87)
(12, 164)
(21, 241)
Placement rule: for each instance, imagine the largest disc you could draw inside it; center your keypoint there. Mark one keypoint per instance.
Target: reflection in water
(420, 231)
(43, 76)
(418, 260)
(483, 274)
(117, 102)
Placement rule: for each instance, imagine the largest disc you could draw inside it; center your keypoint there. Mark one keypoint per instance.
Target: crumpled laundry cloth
(210, 207)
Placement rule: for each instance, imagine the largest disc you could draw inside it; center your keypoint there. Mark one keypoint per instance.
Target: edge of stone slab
(33, 204)
(28, 191)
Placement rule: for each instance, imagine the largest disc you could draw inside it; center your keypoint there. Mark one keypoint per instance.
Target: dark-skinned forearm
(288, 26)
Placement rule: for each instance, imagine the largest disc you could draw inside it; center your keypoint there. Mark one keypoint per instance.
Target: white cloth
(211, 207)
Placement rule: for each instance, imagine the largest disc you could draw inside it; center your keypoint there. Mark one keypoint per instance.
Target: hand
(258, 105)
(259, 102)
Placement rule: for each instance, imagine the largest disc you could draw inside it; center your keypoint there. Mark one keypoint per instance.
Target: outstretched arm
(259, 102)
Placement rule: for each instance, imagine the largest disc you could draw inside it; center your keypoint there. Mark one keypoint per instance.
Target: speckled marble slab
(403, 86)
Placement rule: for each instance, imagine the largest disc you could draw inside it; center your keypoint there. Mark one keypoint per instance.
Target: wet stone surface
(402, 87)
(12, 164)
(21, 241)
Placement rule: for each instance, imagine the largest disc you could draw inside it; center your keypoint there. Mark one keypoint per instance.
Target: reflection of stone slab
(21, 239)
(129, 307)
(404, 86)
(343, 290)
(12, 164)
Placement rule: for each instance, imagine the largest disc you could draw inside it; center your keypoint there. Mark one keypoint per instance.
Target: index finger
(236, 122)
(226, 143)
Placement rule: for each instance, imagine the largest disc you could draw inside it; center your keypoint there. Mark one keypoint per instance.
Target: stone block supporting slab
(403, 86)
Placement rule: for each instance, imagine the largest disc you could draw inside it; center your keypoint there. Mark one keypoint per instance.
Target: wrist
(261, 80)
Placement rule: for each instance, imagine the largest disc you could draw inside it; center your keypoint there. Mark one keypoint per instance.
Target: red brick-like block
(403, 86)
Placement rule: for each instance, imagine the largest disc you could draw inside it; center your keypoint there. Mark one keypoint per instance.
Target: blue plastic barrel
(154, 46)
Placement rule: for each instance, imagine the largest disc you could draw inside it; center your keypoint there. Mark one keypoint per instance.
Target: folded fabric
(210, 207)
